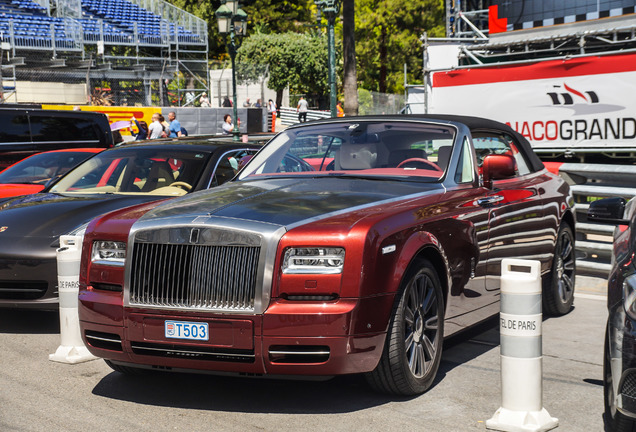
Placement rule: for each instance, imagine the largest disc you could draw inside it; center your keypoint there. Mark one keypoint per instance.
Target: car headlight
(315, 260)
(109, 252)
(629, 296)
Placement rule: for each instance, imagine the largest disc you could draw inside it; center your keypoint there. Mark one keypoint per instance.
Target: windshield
(42, 167)
(360, 148)
(157, 171)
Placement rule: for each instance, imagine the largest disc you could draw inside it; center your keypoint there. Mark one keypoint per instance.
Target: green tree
(388, 36)
(350, 78)
(295, 60)
(268, 16)
(279, 16)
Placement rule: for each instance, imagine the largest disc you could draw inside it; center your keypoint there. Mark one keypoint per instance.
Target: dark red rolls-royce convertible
(351, 245)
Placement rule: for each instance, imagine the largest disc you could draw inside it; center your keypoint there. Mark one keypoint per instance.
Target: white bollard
(71, 349)
(521, 351)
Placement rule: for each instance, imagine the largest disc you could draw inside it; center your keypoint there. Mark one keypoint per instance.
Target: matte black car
(30, 226)
(26, 131)
(619, 360)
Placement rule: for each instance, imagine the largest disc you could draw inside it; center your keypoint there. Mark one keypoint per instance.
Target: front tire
(413, 347)
(558, 286)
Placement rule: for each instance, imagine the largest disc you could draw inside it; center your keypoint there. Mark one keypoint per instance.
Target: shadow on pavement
(469, 345)
(250, 395)
(267, 395)
(29, 321)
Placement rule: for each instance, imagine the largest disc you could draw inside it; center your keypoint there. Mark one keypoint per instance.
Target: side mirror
(496, 167)
(608, 211)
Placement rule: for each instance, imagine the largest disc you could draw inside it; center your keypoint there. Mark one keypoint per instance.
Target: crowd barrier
(197, 121)
(289, 116)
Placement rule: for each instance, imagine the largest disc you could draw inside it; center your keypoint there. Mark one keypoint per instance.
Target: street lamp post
(331, 8)
(232, 21)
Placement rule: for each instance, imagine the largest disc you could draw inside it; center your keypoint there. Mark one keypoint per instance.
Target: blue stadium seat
(119, 17)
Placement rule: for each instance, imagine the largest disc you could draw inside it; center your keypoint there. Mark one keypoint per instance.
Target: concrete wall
(221, 86)
(209, 120)
(48, 92)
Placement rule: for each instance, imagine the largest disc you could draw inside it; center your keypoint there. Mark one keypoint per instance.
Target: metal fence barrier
(589, 182)
(289, 116)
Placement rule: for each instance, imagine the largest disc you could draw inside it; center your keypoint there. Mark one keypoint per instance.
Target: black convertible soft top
(473, 123)
(478, 123)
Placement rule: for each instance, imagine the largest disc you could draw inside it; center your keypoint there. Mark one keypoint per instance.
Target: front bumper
(622, 351)
(290, 338)
(28, 282)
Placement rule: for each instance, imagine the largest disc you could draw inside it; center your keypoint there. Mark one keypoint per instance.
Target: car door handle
(490, 200)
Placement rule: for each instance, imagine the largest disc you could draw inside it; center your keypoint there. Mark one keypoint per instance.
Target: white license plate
(186, 330)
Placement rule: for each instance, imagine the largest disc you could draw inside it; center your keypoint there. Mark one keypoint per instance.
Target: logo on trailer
(568, 96)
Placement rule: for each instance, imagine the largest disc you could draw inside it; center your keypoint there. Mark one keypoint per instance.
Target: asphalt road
(39, 395)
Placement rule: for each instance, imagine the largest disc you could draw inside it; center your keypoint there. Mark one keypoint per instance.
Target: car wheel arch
(559, 282)
(568, 218)
(440, 264)
(391, 371)
(423, 246)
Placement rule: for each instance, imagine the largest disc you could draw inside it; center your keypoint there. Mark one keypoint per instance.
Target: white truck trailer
(572, 109)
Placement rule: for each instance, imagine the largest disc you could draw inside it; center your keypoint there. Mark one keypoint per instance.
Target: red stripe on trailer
(593, 65)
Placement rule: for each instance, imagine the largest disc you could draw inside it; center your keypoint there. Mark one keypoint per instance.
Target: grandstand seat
(118, 17)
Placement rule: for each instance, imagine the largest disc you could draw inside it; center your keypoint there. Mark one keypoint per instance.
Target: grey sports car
(30, 226)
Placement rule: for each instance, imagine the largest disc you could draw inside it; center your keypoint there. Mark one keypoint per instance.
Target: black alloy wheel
(558, 286)
(413, 348)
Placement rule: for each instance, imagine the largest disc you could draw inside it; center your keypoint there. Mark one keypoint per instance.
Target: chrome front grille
(194, 276)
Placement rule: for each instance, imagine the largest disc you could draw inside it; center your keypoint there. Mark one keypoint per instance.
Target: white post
(521, 351)
(71, 349)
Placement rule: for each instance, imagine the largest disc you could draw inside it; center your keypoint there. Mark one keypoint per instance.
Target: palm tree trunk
(350, 81)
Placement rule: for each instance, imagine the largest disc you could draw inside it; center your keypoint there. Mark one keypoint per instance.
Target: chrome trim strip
(167, 349)
(118, 341)
(310, 271)
(110, 263)
(300, 352)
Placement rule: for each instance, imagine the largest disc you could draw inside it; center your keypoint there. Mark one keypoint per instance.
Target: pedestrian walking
(227, 126)
(175, 125)
(189, 98)
(340, 111)
(156, 128)
(204, 101)
(271, 109)
(142, 128)
(166, 126)
(301, 109)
